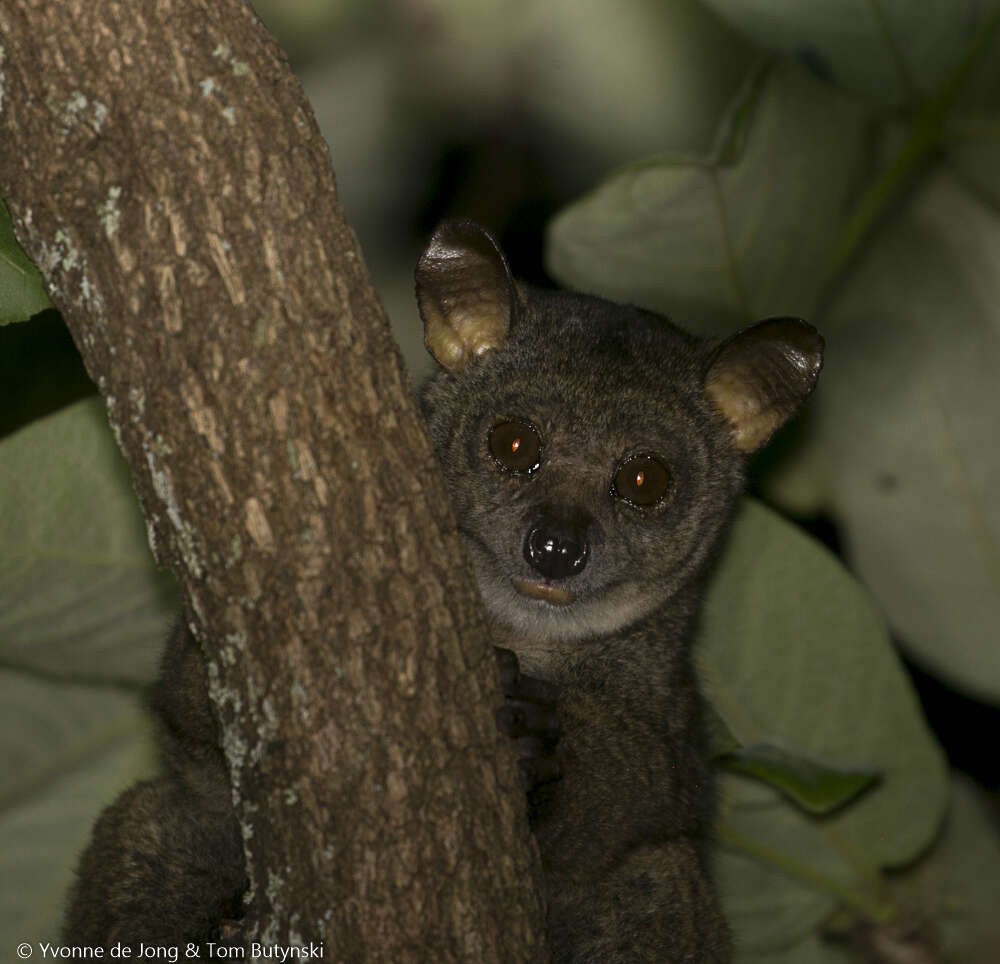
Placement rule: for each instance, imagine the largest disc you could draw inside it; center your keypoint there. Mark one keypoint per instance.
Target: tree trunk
(165, 172)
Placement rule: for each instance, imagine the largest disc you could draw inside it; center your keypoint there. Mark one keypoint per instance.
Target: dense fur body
(165, 864)
(593, 453)
(622, 834)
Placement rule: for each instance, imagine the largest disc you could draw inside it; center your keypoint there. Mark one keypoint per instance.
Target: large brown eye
(516, 446)
(641, 480)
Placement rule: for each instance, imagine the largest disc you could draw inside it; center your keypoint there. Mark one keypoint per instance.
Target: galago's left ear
(760, 376)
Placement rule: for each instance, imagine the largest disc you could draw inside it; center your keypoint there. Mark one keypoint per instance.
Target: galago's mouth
(544, 591)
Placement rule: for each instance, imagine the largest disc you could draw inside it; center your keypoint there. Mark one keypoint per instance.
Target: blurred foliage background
(720, 161)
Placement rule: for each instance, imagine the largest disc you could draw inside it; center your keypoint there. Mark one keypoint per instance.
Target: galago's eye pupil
(515, 445)
(641, 480)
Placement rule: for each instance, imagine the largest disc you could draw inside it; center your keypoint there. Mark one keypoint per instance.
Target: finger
(517, 719)
(534, 690)
(535, 772)
(510, 671)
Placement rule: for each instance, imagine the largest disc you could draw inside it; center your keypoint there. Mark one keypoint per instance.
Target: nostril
(556, 550)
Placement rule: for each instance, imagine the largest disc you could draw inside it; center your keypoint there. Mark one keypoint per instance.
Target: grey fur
(623, 812)
(623, 833)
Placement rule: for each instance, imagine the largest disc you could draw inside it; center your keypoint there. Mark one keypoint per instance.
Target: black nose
(556, 549)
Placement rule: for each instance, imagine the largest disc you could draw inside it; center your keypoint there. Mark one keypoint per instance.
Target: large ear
(760, 376)
(465, 293)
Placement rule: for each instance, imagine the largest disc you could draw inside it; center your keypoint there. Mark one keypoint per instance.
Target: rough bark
(166, 174)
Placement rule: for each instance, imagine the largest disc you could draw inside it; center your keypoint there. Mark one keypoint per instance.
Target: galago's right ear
(465, 293)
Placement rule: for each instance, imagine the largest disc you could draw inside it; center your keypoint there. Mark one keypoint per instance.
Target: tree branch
(166, 174)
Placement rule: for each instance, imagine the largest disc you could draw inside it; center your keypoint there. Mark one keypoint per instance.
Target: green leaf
(909, 409)
(49, 726)
(973, 133)
(45, 824)
(720, 739)
(793, 654)
(818, 787)
(890, 51)
(82, 596)
(719, 244)
(674, 64)
(22, 293)
(948, 899)
(82, 601)
(959, 882)
(812, 949)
